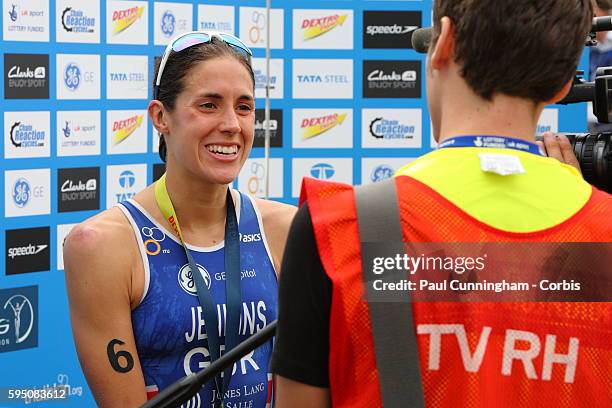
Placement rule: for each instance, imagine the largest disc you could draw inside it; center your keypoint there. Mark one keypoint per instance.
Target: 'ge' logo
(21, 192)
(185, 278)
(72, 76)
(167, 23)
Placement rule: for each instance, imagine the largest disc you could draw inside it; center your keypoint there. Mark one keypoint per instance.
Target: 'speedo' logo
(72, 76)
(21, 192)
(168, 22)
(185, 278)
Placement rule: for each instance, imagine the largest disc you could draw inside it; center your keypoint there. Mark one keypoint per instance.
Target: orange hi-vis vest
(504, 354)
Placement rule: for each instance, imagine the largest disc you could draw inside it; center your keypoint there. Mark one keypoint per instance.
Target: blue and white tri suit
(168, 323)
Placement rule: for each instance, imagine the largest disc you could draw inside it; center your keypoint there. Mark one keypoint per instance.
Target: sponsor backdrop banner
(347, 104)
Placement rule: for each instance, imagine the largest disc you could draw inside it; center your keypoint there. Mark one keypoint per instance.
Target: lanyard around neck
(497, 142)
(232, 282)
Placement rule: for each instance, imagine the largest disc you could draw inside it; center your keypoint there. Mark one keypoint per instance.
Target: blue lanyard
(232, 283)
(497, 142)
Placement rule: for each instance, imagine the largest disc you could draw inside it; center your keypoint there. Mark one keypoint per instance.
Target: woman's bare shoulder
(276, 214)
(276, 218)
(104, 229)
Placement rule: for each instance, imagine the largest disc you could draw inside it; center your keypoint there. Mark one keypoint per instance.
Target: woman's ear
(159, 116)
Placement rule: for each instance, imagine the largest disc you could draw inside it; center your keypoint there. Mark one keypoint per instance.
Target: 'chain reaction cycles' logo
(25, 135)
(312, 127)
(314, 27)
(186, 281)
(122, 19)
(382, 128)
(21, 192)
(322, 171)
(72, 76)
(168, 23)
(76, 21)
(124, 128)
(382, 172)
(261, 80)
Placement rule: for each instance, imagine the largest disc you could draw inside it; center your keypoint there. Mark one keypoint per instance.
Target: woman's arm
(100, 256)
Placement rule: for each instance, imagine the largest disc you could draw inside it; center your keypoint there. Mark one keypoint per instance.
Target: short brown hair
(605, 5)
(521, 48)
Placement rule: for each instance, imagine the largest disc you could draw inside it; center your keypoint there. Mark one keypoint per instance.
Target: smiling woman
(140, 316)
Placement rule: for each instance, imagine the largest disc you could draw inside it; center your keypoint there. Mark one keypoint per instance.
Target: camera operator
(487, 183)
(600, 55)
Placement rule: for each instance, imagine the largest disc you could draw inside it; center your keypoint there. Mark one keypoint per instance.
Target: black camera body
(594, 153)
(594, 150)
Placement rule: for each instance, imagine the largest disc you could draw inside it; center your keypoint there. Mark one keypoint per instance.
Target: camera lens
(594, 153)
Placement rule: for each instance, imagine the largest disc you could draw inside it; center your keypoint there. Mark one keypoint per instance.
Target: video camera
(593, 150)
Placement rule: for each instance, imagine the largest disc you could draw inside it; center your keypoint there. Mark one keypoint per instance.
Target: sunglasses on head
(192, 38)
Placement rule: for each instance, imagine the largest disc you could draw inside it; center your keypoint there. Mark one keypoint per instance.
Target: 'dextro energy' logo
(315, 126)
(314, 27)
(122, 129)
(122, 19)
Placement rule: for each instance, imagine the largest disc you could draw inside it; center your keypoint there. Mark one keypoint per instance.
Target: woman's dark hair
(179, 64)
